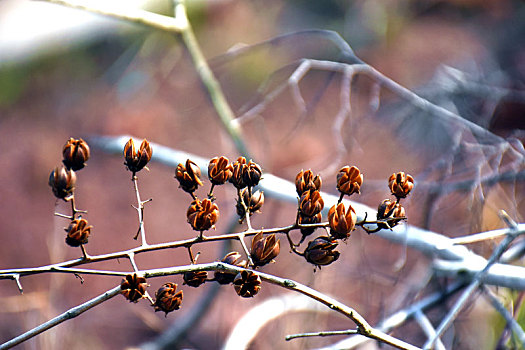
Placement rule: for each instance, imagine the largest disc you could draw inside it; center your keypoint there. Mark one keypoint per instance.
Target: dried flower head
(188, 176)
(167, 299)
(254, 203)
(78, 232)
(400, 184)
(232, 258)
(136, 160)
(62, 182)
(264, 249)
(321, 251)
(342, 221)
(306, 180)
(311, 203)
(305, 220)
(219, 170)
(195, 279)
(349, 180)
(202, 215)
(239, 168)
(75, 154)
(390, 211)
(134, 287)
(247, 284)
(252, 174)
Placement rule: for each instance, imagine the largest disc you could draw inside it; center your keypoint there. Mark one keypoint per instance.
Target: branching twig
(478, 279)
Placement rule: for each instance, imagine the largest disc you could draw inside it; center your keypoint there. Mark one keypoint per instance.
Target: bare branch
(71, 313)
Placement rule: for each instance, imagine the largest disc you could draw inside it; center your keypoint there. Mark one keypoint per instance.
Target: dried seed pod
(78, 232)
(305, 220)
(202, 215)
(390, 211)
(188, 176)
(311, 203)
(232, 258)
(306, 180)
(75, 154)
(252, 174)
(400, 184)
(254, 203)
(349, 180)
(134, 287)
(219, 170)
(167, 299)
(239, 168)
(137, 160)
(62, 182)
(195, 279)
(247, 284)
(321, 251)
(342, 221)
(264, 249)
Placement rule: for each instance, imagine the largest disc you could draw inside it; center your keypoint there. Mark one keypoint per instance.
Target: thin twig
(428, 328)
(511, 322)
(140, 212)
(402, 316)
(71, 313)
(321, 334)
(207, 77)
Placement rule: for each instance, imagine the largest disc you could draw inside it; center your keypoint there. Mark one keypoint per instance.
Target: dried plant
(323, 220)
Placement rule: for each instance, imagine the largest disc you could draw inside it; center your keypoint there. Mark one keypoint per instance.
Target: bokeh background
(65, 73)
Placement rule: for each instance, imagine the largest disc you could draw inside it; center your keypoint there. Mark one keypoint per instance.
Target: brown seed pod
(254, 203)
(252, 174)
(62, 182)
(195, 279)
(202, 215)
(137, 160)
(311, 203)
(247, 284)
(167, 299)
(321, 251)
(342, 221)
(78, 232)
(188, 176)
(264, 249)
(232, 258)
(400, 184)
(391, 211)
(75, 154)
(306, 180)
(134, 287)
(239, 168)
(349, 180)
(219, 170)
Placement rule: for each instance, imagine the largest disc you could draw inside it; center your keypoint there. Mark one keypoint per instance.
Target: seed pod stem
(245, 248)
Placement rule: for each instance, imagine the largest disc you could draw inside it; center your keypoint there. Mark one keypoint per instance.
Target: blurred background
(65, 73)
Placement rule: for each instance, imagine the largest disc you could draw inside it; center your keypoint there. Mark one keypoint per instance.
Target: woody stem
(140, 212)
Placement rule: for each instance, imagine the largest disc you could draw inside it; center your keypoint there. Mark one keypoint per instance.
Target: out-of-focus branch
(127, 13)
(478, 279)
(511, 322)
(180, 25)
